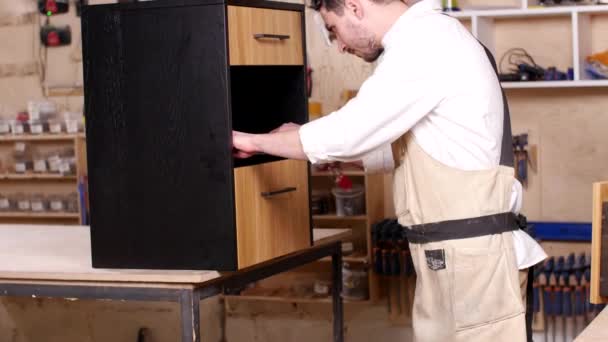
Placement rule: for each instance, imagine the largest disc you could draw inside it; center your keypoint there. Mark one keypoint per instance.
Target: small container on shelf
(67, 165)
(57, 203)
(5, 203)
(18, 127)
(22, 165)
(37, 127)
(56, 126)
(40, 164)
(321, 289)
(54, 162)
(5, 126)
(320, 202)
(23, 202)
(354, 281)
(72, 203)
(349, 201)
(74, 122)
(38, 203)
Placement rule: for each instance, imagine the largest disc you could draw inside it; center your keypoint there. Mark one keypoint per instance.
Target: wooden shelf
(325, 235)
(355, 258)
(530, 12)
(289, 299)
(39, 137)
(36, 176)
(45, 215)
(344, 172)
(555, 84)
(336, 217)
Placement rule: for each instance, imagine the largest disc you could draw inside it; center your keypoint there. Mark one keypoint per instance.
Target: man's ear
(355, 7)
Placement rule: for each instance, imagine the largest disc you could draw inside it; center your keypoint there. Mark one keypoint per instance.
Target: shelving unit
(360, 224)
(575, 25)
(43, 183)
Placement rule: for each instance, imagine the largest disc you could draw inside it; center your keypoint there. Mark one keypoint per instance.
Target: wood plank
(596, 331)
(40, 137)
(244, 49)
(63, 253)
(36, 176)
(40, 215)
(325, 235)
(270, 226)
(336, 217)
(598, 250)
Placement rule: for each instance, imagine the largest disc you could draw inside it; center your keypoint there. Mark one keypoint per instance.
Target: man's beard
(373, 56)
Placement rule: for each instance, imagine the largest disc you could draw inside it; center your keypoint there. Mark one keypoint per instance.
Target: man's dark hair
(336, 5)
(330, 5)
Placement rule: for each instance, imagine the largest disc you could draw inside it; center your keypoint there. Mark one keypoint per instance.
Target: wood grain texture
(245, 22)
(596, 330)
(276, 225)
(159, 137)
(599, 251)
(63, 253)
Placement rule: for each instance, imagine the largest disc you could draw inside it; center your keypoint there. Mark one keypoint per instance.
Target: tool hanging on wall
(51, 7)
(393, 263)
(521, 158)
(55, 36)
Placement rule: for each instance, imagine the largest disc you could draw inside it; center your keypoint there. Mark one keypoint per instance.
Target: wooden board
(599, 244)
(325, 235)
(245, 49)
(596, 331)
(63, 253)
(269, 226)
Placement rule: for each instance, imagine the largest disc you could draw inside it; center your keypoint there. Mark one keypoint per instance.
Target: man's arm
(282, 143)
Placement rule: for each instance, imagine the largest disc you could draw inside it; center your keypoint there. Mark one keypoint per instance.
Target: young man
(433, 110)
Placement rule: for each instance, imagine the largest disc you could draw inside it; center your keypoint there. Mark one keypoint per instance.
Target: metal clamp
(271, 36)
(267, 194)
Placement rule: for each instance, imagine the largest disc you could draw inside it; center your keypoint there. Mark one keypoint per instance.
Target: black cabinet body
(161, 101)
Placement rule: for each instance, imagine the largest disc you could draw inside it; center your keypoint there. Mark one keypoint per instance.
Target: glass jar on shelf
(72, 203)
(5, 203)
(38, 203)
(57, 203)
(23, 202)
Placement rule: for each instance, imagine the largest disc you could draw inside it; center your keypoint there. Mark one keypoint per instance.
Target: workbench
(597, 330)
(55, 262)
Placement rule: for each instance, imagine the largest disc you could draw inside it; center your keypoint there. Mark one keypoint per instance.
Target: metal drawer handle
(270, 36)
(267, 194)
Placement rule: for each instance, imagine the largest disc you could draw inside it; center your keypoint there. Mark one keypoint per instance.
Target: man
(433, 109)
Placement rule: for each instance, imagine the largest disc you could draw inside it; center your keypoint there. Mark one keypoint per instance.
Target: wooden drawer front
(271, 224)
(278, 32)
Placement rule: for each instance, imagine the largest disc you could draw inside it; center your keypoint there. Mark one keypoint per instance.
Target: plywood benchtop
(63, 253)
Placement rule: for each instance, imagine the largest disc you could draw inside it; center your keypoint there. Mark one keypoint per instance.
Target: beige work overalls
(466, 289)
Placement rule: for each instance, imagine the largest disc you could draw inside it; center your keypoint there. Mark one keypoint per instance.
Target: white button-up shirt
(434, 79)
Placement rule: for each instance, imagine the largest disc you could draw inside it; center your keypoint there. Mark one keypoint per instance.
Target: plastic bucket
(351, 201)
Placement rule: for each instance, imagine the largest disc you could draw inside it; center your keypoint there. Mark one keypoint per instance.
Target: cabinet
(165, 83)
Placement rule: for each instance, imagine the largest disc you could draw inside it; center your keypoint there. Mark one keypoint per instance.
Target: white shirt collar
(418, 9)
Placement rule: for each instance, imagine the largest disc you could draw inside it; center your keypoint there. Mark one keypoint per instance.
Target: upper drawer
(259, 36)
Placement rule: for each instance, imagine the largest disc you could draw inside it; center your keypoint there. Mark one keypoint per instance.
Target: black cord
(515, 57)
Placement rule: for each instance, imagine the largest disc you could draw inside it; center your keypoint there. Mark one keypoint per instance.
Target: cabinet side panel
(159, 138)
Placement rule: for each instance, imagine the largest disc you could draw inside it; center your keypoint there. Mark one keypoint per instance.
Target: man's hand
(283, 142)
(242, 145)
(286, 127)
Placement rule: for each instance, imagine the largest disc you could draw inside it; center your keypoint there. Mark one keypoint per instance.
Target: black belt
(465, 228)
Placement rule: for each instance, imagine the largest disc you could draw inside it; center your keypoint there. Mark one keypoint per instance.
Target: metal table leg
(336, 260)
(189, 302)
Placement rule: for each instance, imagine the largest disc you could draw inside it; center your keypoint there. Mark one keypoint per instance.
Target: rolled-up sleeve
(388, 104)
